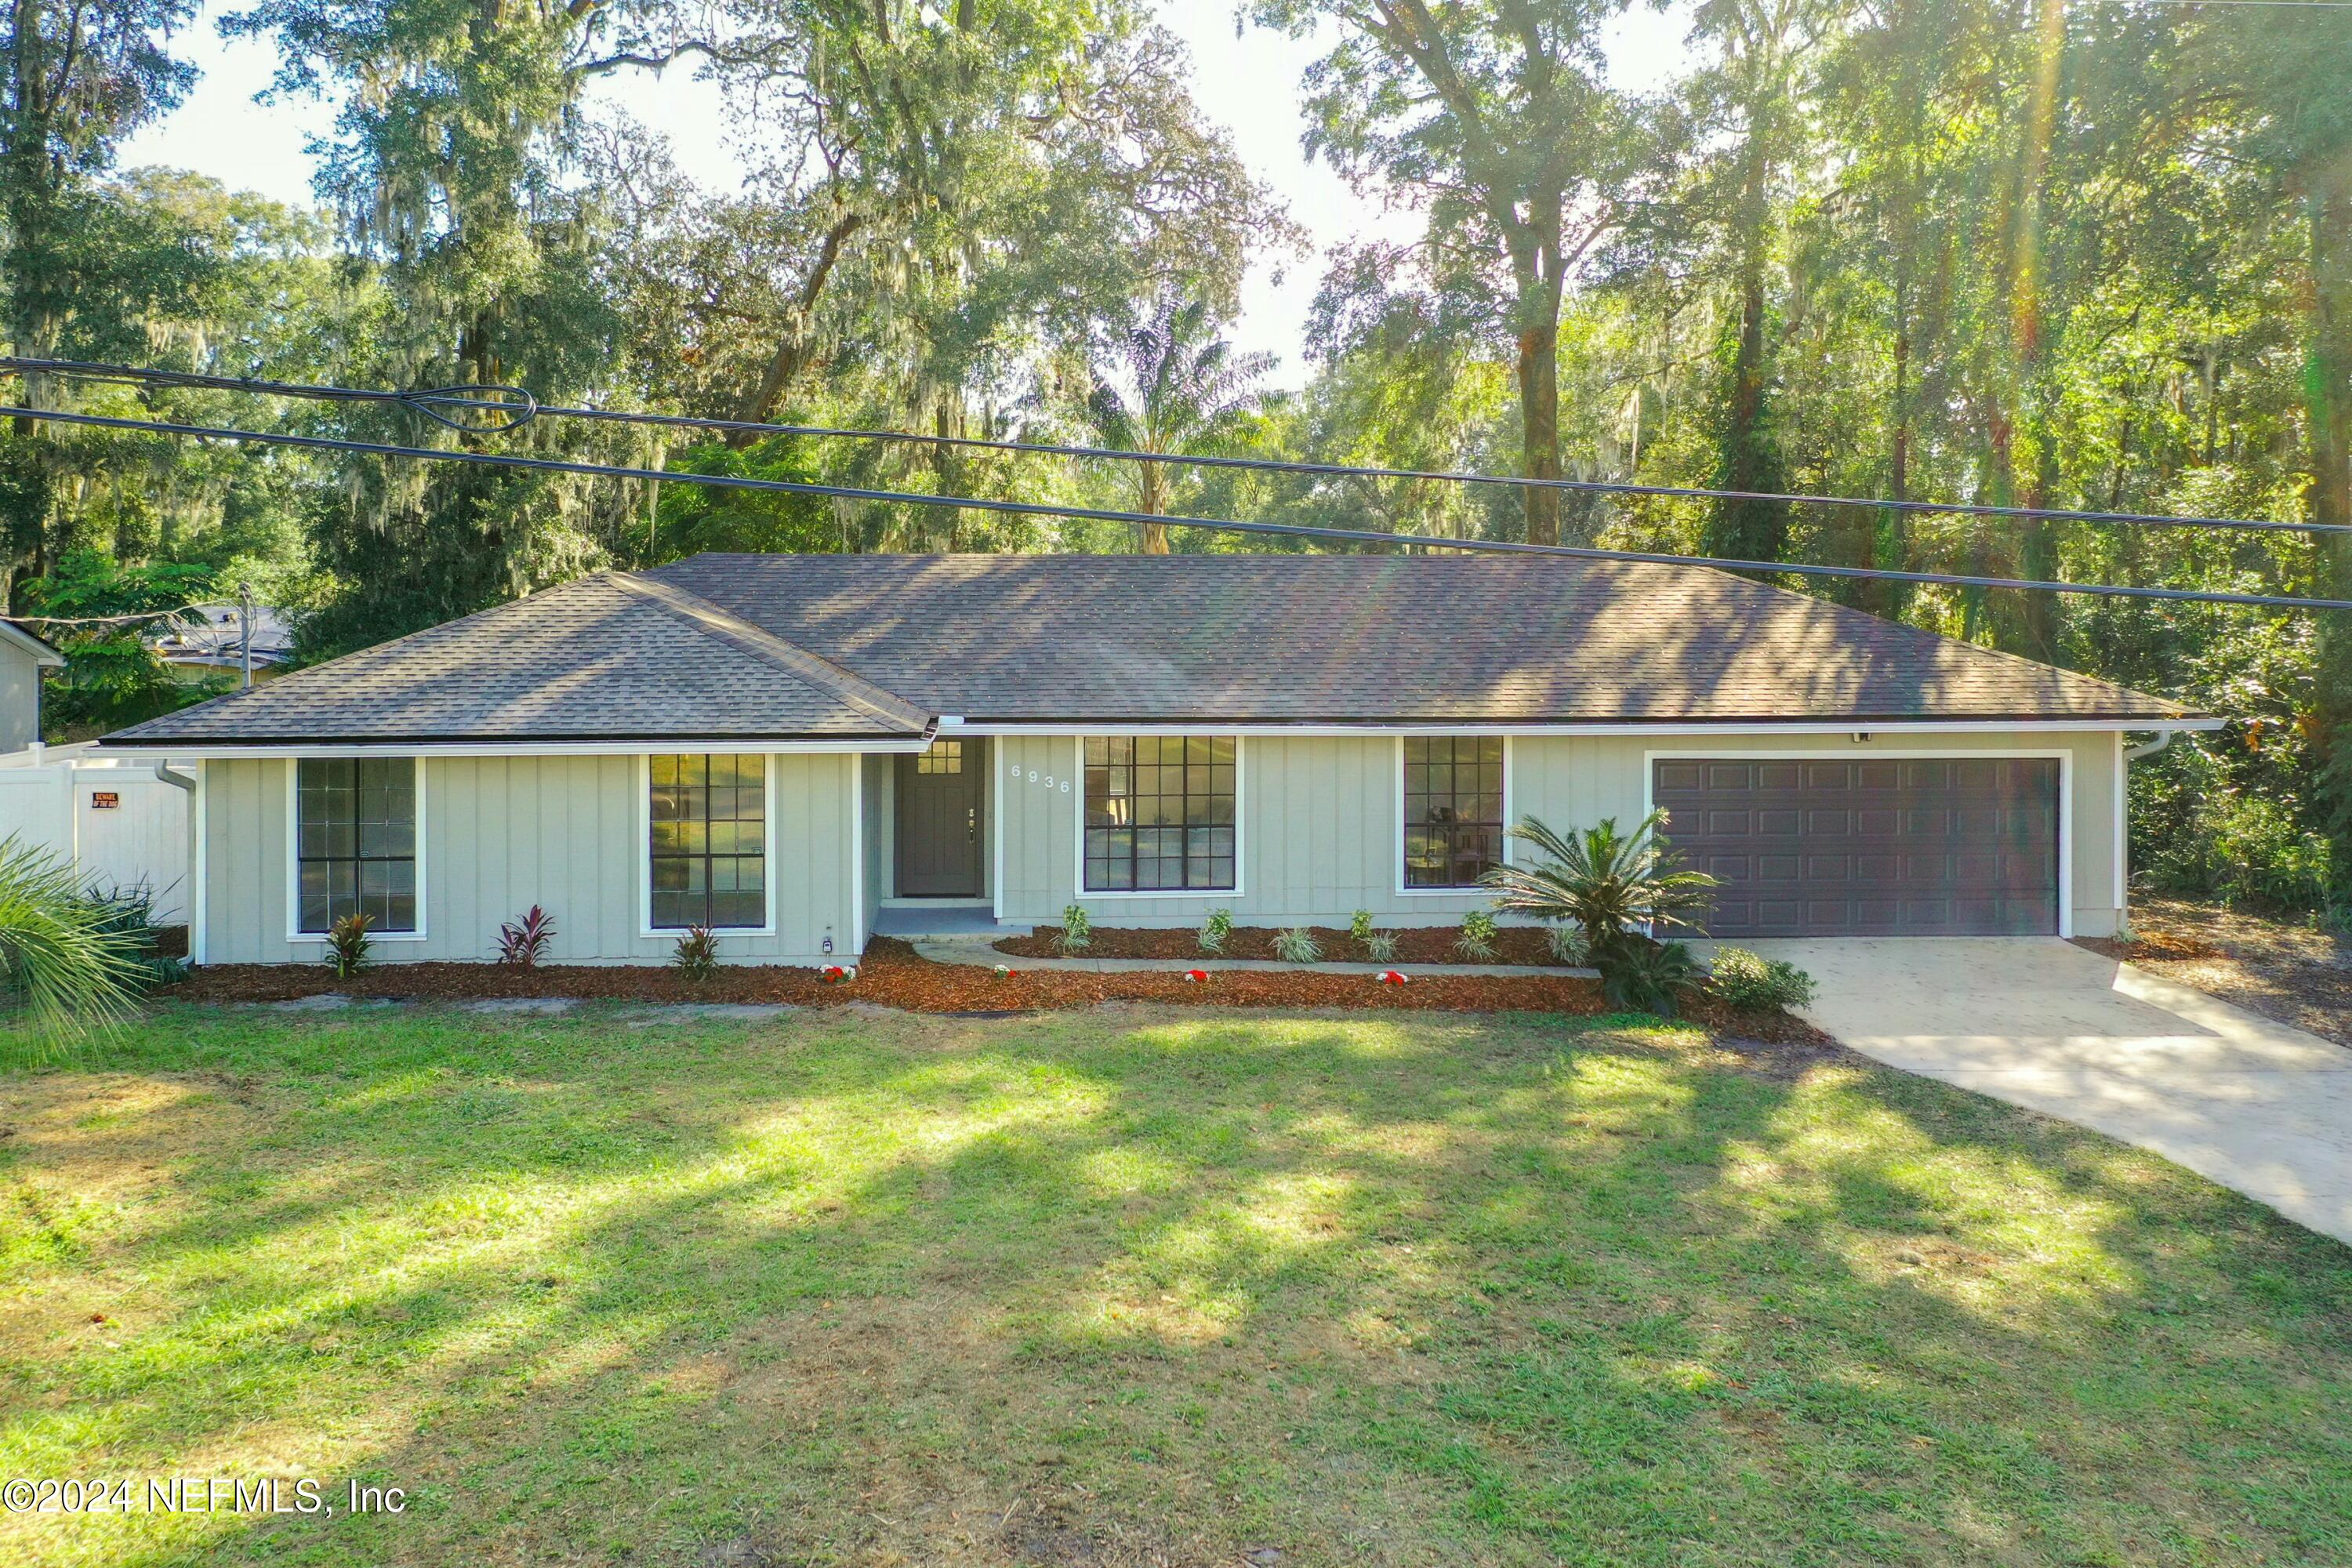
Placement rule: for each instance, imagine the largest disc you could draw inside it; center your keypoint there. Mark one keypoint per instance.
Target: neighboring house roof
(44, 653)
(212, 634)
(605, 658)
(835, 646)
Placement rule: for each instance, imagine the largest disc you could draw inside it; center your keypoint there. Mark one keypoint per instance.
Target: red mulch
(893, 976)
(1415, 945)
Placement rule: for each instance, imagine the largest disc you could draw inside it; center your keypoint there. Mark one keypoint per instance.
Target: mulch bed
(1415, 945)
(892, 975)
(2282, 969)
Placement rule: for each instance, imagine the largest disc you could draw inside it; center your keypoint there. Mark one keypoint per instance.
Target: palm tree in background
(1191, 395)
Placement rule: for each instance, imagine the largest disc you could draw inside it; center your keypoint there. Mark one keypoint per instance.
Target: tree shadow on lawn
(1149, 1286)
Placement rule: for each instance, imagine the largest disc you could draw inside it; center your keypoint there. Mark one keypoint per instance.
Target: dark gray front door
(1908, 847)
(939, 820)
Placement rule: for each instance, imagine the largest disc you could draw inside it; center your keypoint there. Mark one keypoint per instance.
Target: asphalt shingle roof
(606, 657)
(839, 646)
(1299, 638)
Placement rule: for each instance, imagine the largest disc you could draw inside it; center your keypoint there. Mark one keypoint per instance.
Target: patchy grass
(1135, 1287)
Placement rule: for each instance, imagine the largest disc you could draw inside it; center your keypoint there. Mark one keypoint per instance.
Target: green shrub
(1751, 980)
(1077, 933)
(127, 911)
(1381, 946)
(347, 945)
(1359, 925)
(1639, 975)
(1216, 930)
(1476, 942)
(1297, 945)
(696, 953)
(2244, 848)
(1568, 944)
(63, 954)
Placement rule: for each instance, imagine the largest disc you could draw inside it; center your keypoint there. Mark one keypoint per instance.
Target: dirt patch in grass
(2295, 973)
(892, 975)
(1415, 945)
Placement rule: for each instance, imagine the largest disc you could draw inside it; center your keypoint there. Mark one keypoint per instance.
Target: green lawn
(1135, 1287)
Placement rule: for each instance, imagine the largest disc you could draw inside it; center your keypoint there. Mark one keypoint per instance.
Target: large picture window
(1159, 812)
(708, 824)
(1452, 809)
(355, 842)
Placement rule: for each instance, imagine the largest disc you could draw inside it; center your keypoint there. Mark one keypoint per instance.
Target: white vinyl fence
(115, 822)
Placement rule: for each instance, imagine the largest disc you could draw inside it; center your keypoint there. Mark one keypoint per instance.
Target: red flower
(1390, 977)
(1196, 975)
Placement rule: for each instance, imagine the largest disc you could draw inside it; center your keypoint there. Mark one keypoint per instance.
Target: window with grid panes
(708, 827)
(1159, 812)
(355, 842)
(1452, 809)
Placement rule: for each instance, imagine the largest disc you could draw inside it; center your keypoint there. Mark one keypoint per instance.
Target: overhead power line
(501, 409)
(1105, 514)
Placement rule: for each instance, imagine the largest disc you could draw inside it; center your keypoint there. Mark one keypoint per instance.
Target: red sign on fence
(104, 800)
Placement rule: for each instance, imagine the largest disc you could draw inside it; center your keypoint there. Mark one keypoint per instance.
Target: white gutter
(951, 725)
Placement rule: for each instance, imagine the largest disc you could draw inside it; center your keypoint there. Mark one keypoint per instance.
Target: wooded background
(2090, 256)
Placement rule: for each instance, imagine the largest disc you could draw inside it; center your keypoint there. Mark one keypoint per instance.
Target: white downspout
(2149, 748)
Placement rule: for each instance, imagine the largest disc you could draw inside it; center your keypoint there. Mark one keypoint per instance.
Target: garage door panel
(1883, 846)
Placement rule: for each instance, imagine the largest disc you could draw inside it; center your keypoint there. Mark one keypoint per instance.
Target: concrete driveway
(2254, 1105)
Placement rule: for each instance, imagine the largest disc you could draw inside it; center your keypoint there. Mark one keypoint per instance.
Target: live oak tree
(75, 79)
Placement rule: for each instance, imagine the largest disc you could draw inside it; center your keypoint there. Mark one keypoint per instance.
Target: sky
(1249, 84)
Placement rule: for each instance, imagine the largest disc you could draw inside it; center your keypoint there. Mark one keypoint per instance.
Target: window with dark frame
(1159, 812)
(1452, 809)
(707, 826)
(355, 842)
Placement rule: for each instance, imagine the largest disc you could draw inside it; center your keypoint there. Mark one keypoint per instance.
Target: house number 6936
(1047, 781)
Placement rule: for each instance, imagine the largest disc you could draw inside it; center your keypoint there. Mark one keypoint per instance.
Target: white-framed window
(1160, 814)
(1454, 796)
(356, 827)
(708, 841)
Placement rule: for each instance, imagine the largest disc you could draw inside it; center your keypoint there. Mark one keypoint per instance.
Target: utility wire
(107, 620)
(1103, 514)
(516, 407)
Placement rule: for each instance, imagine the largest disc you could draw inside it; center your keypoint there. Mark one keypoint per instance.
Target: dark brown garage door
(1910, 847)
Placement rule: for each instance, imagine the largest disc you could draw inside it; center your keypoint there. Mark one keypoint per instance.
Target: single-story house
(23, 656)
(798, 750)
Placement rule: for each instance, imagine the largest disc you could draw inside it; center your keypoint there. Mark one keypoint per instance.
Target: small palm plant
(63, 955)
(1609, 883)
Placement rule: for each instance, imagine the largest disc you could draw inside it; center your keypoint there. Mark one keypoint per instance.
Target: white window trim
(645, 927)
(2065, 851)
(1468, 889)
(294, 931)
(1077, 782)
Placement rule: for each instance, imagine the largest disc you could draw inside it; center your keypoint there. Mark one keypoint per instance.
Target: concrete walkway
(981, 951)
(2256, 1105)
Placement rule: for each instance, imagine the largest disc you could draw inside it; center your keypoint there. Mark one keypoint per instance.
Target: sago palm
(1607, 881)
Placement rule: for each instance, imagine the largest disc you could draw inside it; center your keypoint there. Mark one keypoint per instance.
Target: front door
(939, 820)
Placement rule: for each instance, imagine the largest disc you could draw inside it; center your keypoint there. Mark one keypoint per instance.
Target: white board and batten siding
(567, 833)
(1321, 828)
